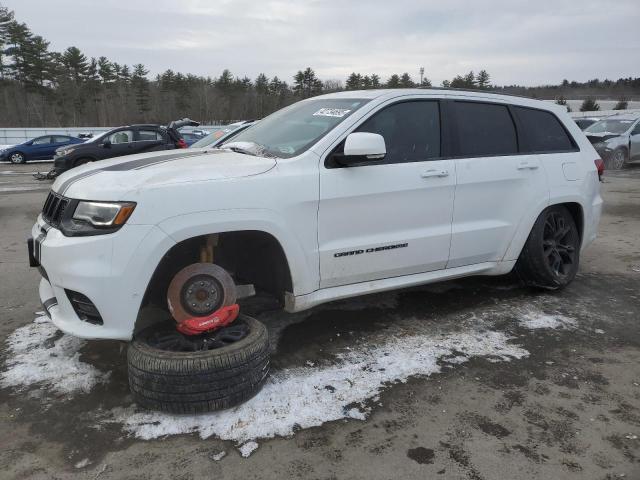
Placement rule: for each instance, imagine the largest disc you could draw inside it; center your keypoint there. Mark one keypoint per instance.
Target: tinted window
(60, 139)
(542, 131)
(41, 140)
(411, 131)
(123, 136)
(484, 129)
(146, 135)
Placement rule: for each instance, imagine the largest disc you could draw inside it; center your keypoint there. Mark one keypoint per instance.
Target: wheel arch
(574, 206)
(251, 256)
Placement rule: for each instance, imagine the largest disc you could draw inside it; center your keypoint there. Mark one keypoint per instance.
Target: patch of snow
(35, 356)
(218, 456)
(599, 331)
(247, 449)
(83, 463)
(297, 398)
(536, 320)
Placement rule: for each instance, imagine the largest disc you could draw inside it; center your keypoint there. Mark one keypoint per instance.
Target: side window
(148, 135)
(59, 139)
(542, 131)
(484, 129)
(636, 129)
(123, 136)
(411, 130)
(41, 140)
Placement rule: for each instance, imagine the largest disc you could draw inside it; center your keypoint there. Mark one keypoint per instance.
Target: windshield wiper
(256, 149)
(244, 151)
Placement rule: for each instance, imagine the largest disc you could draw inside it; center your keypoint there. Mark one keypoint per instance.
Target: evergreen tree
(622, 104)
(140, 85)
(589, 105)
(405, 81)
(354, 82)
(393, 82)
(483, 80)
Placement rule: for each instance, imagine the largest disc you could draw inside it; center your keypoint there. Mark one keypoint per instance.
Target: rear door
(388, 218)
(149, 140)
(497, 186)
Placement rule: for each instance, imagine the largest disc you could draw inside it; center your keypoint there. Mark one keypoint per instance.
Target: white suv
(335, 196)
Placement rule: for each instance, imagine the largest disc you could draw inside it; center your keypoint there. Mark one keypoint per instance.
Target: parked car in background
(121, 141)
(216, 138)
(39, 148)
(191, 137)
(616, 139)
(585, 122)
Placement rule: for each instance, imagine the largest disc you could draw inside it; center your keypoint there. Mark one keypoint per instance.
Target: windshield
(215, 136)
(98, 137)
(610, 126)
(294, 129)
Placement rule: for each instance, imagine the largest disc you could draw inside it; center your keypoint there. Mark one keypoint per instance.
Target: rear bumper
(111, 270)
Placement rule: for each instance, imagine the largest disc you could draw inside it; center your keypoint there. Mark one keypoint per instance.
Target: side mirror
(362, 147)
(106, 143)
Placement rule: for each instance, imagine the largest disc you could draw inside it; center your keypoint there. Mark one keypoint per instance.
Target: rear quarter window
(484, 129)
(543, 132)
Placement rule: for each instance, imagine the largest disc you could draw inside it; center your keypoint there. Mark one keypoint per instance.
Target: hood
(601, 137)
(112, 179)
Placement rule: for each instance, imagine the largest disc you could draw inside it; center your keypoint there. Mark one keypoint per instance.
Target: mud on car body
(279, 204)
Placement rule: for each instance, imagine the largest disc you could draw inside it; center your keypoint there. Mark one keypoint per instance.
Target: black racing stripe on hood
(125, 166)
(147, 162)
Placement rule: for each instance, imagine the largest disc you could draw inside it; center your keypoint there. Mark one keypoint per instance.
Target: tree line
(40, 87)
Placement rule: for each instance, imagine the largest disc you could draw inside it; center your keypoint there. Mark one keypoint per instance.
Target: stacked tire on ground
(198, 381)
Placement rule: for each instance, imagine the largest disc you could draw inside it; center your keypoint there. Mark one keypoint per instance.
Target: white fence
(13, 136)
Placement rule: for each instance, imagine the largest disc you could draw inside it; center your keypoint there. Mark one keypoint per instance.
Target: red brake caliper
(218, 319)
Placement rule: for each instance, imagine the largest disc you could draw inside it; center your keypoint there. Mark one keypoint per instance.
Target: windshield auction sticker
(331, 112)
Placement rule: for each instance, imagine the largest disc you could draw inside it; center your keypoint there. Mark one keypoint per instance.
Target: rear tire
(551, 255)
(617, 159)
(198, 381)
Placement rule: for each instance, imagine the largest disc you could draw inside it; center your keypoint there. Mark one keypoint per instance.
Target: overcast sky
(524, 42)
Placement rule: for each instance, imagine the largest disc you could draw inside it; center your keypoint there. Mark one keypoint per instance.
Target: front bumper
(112, 270)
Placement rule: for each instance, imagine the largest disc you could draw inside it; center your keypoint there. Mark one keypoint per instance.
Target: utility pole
(421, 74)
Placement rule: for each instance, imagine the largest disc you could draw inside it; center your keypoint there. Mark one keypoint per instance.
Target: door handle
(527, 166)
(434, 173)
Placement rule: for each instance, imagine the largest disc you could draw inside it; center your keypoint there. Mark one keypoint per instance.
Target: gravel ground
(472, 379)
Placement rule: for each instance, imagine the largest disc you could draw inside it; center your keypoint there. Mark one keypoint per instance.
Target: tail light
(600, 167)
(181, 144)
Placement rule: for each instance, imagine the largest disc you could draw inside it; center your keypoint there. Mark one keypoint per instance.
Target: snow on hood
(103, 179)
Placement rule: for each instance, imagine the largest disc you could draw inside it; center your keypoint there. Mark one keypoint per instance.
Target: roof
(623, 116)
(452, 92)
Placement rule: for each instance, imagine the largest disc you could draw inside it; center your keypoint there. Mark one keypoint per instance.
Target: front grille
(53, 208)
(84, 308)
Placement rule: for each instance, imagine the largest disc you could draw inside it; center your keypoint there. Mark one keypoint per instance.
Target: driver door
(392, 217)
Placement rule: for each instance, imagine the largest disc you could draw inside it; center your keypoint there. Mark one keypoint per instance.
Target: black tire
(80, 161)
(200, 381)
(617, 159)
(551, 255)
(17, 158)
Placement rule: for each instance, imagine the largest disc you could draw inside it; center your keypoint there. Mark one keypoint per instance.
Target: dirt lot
(473, 379)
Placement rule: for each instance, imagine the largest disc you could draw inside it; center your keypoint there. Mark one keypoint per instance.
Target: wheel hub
(201, 295)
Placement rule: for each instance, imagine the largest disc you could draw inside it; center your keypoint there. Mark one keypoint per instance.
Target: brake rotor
(199, 290)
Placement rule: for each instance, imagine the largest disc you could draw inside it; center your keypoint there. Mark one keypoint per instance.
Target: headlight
(97, 218)
(63, 151)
